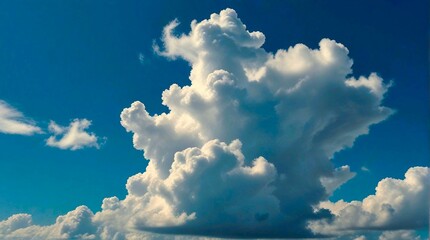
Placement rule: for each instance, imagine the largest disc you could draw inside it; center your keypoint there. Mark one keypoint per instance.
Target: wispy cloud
(141, 58)
(13, 121)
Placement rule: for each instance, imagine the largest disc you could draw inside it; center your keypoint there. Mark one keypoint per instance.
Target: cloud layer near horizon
(81, 223)
(245, 149)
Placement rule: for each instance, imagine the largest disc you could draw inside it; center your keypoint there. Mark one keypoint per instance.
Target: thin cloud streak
(13, 121)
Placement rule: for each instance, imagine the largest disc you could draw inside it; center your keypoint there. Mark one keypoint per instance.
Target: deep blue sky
(62, 60)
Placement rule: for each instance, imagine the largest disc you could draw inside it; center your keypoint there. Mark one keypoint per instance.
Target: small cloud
(141, 58)
(399, 235)
(72, 137)
(362, 237)
(374, 83)
(365, 169)
(13, 121)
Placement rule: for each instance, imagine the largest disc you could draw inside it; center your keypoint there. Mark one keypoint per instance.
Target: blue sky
(65, 60)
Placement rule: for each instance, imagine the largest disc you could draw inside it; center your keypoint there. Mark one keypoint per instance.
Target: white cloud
(373, 83)
(399, 235)
(294, 109)
(383, 235)
(364, 169)
(226, 186)
(13, 122)
(72, 137)
(76, 224)
(397, 204)
(244, 150)
(14, 222)
(362, 237)
(141, 58)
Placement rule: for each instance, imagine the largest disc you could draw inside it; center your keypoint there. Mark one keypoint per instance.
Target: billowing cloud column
(242, 150)
(245, 149)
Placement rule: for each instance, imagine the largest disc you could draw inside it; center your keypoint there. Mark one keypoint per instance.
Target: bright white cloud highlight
(72, 137)
(13, 121)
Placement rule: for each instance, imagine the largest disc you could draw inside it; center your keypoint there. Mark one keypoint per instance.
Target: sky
(232, 119)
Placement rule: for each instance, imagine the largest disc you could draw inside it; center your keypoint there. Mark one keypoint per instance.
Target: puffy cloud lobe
(294, 109)
(374, 83)
(72, 137)
(76, 224)
(220, 171)
(15, 222)
(13, 122)
(397, 204)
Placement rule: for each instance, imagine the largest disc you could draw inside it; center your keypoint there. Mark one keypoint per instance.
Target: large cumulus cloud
(244, 150)
(289, 111)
